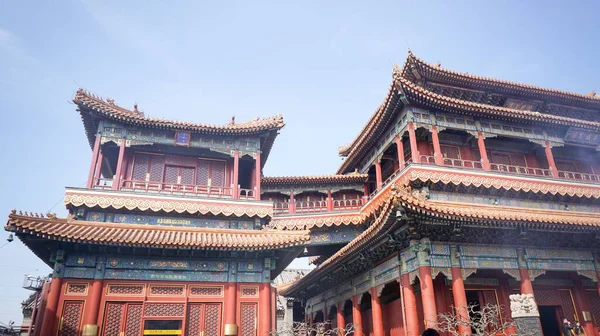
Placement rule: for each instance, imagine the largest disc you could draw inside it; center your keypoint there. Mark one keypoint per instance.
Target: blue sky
(325, 66)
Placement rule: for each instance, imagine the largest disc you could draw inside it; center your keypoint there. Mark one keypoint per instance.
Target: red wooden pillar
(236, 174)
(410, 306)
(329, 201)
(550, 158)
(377, 314)
(400, 150)
(428, 297)
(116, 184)
(583, 304)
(365, 193)
(378, 177)
(273, 308)
(485, 162)
(92, 304)
(460, 300)
(341, 322)
(264, 310)
(257, 172)
(98, 172)
(412, 137)
(292, 205)
(437, 150)
(526, 287)
(356, 316)
(51, 312)
(229, 318)
(41, 309)
(95, 154)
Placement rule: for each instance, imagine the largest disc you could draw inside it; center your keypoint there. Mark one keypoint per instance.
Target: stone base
(529, 326)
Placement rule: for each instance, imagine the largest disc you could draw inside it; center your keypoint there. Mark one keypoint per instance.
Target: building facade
(459, 190)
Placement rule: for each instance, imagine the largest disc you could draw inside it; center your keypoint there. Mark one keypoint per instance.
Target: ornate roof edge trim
(309, 179)
(497, 182)
(71, 230)
(370, 131)
(192, 206)
(109, 109)
(510, 85)
(440, 101)
(309, 222)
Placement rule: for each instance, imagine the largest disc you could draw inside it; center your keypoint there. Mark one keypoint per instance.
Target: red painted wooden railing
(578, 176)
(520, 170)
(311, 206)
(462, 163)
(175, 188)
(347, 204)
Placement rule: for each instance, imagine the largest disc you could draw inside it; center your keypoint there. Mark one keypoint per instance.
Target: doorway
(549, 317)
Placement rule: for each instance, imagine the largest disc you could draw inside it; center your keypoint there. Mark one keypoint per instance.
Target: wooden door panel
(194, 317)
(70, 321)
(212, 319)
(113, 318)
(133, 325)
(248, 319)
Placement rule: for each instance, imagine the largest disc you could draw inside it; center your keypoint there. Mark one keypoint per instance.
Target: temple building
(460, 190)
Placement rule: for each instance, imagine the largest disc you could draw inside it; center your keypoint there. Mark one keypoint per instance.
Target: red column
(356, 316)
(550, 158)
(428, 297)
(413, 143)
(485, 162)
(410, 307)
(90, 181)
(341, 322)
(51, 312)
(273, 308)
(229, 317)
(377, 314)
(98, 172)
(41, 309)
(460, 300)
(329, 201)
(92, 304)
(437, 150)
(264, 310)
(583, 304)
(116, 184)
(236, 174)
(365, 193)
(378, 178)
(257, 172)
(292, 205)
(526, 287)
(400, 149)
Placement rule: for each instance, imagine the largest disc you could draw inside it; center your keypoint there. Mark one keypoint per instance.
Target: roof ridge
(595, 98)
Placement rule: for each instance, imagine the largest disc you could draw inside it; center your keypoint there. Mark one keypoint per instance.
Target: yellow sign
(162, 332)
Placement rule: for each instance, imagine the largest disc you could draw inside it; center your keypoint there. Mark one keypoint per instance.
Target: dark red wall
(392, 318)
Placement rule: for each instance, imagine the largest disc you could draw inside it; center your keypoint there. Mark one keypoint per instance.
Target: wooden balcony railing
(103, 183)
(347, 204)
(427, 159)
(281, 208)
(578, 176)
(462, 163)
(176, 188)
(311, 206)
(520, 170)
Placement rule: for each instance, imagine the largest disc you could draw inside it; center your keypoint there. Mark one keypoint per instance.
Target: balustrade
(311, 206)
(177, 188)
(347, 204)
(103, 183)
(462, 163)
(520, 170)
(578, 176)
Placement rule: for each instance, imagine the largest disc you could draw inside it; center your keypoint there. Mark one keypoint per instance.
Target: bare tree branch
(483, 321)
(316, 329)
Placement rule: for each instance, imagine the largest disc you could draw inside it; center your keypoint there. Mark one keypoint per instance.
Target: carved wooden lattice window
(76, 288)
(249, 291)
(164, 309)
(248, 319)
(211, 173)
(148, 167)
(125, 290)
(71, 318)
(167, 290)
(206, 291)
(204, 318)
(122, 319)
(450, 152)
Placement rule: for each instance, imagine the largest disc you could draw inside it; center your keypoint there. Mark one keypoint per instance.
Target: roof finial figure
(592, 93)
(232, 122)
(438, 64)
(110, 101)
(135, 108)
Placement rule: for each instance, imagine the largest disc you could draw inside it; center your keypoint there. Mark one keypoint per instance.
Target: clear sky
(324, 65)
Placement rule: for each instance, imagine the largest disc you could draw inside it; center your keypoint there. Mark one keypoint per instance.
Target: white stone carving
(523, 305)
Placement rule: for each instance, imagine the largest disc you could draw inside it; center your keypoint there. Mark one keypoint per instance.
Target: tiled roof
(415, 93)
(311, 220)
(71, 230)
(290, 275)
(420, 95)
(107, 108)
(321, 179)
(437, 72)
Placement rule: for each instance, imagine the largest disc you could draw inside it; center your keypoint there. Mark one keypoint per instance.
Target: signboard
(182, 138)
(582, 136)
